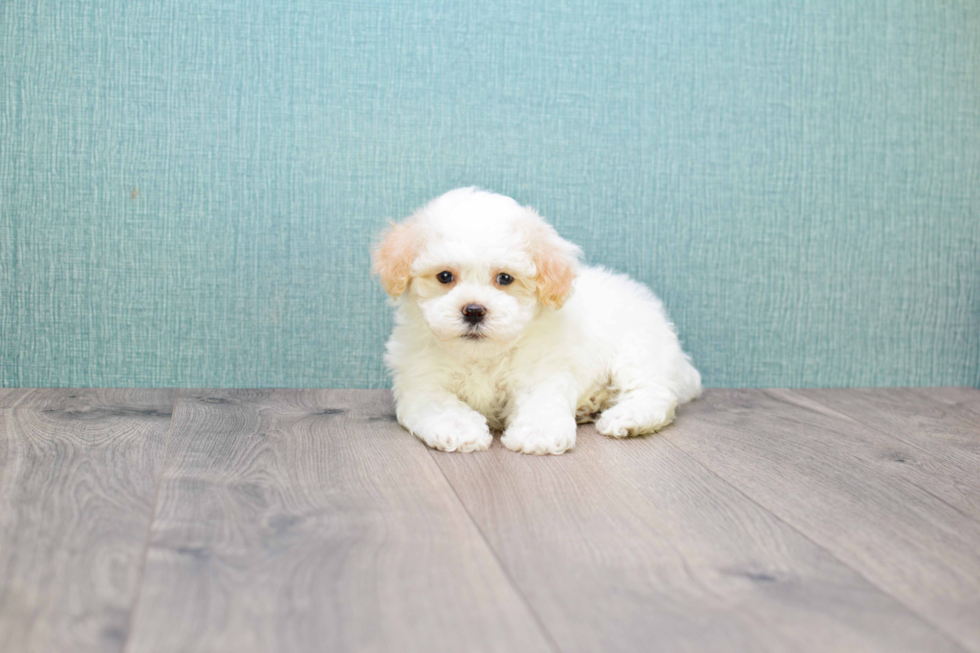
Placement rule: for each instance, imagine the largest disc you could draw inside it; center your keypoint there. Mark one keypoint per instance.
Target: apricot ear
(556, 261)
(392, 258)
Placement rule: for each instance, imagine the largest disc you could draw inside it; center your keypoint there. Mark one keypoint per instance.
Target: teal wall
(188, 189)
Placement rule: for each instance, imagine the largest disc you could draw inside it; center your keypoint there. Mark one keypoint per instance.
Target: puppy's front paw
(455, 432)
(541, 436)
(634, 418)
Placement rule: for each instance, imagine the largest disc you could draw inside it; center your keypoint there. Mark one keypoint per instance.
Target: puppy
(498, 327)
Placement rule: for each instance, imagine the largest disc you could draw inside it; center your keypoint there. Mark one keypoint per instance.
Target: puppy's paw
(541, 436)
(635, 418)
(453, 431)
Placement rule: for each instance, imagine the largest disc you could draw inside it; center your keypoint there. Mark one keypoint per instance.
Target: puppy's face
(478, 265)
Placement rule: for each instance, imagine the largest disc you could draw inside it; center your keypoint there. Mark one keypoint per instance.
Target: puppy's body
(541, 357)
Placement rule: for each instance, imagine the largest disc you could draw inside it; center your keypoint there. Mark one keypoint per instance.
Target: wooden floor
(286, 520)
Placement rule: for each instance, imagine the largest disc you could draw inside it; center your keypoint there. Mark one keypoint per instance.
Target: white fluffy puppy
(489, 333)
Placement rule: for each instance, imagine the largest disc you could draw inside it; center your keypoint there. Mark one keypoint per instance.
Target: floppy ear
(556, 261)
(393, 256)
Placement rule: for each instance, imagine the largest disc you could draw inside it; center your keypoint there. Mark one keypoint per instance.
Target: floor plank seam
(934, 456)
(141, 576)
(874, 428)
(493, 552)
(952, 638)
(765, 519)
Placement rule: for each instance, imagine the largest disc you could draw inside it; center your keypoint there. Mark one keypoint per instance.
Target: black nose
(473, 313)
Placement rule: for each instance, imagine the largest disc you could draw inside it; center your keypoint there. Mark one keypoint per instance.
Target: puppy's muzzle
(474, 313)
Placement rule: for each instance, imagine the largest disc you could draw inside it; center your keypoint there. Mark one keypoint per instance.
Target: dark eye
(504, 279)
(445, 276)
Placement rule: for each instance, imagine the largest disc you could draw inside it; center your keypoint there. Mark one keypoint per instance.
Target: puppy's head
(478, 265)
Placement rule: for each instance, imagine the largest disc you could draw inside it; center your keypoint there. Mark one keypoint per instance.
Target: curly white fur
(560, 344)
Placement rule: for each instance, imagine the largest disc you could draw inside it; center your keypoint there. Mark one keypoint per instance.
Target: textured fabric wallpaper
(189, 189)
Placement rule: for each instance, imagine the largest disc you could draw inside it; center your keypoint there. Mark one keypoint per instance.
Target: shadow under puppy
(498, 326)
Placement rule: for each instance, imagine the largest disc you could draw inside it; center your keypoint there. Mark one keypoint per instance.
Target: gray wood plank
(630, 545)
(950, 479)
(861, 496)
(78, 477)
(10, 396)
(309, 521)
(945, 422)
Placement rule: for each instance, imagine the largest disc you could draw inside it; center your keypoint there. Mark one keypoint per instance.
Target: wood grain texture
(10, 396)
(78, 477)
(882, 507)
(925, 467)
(775, 520)
(944, 422)
(309, 521)
(630, 545)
